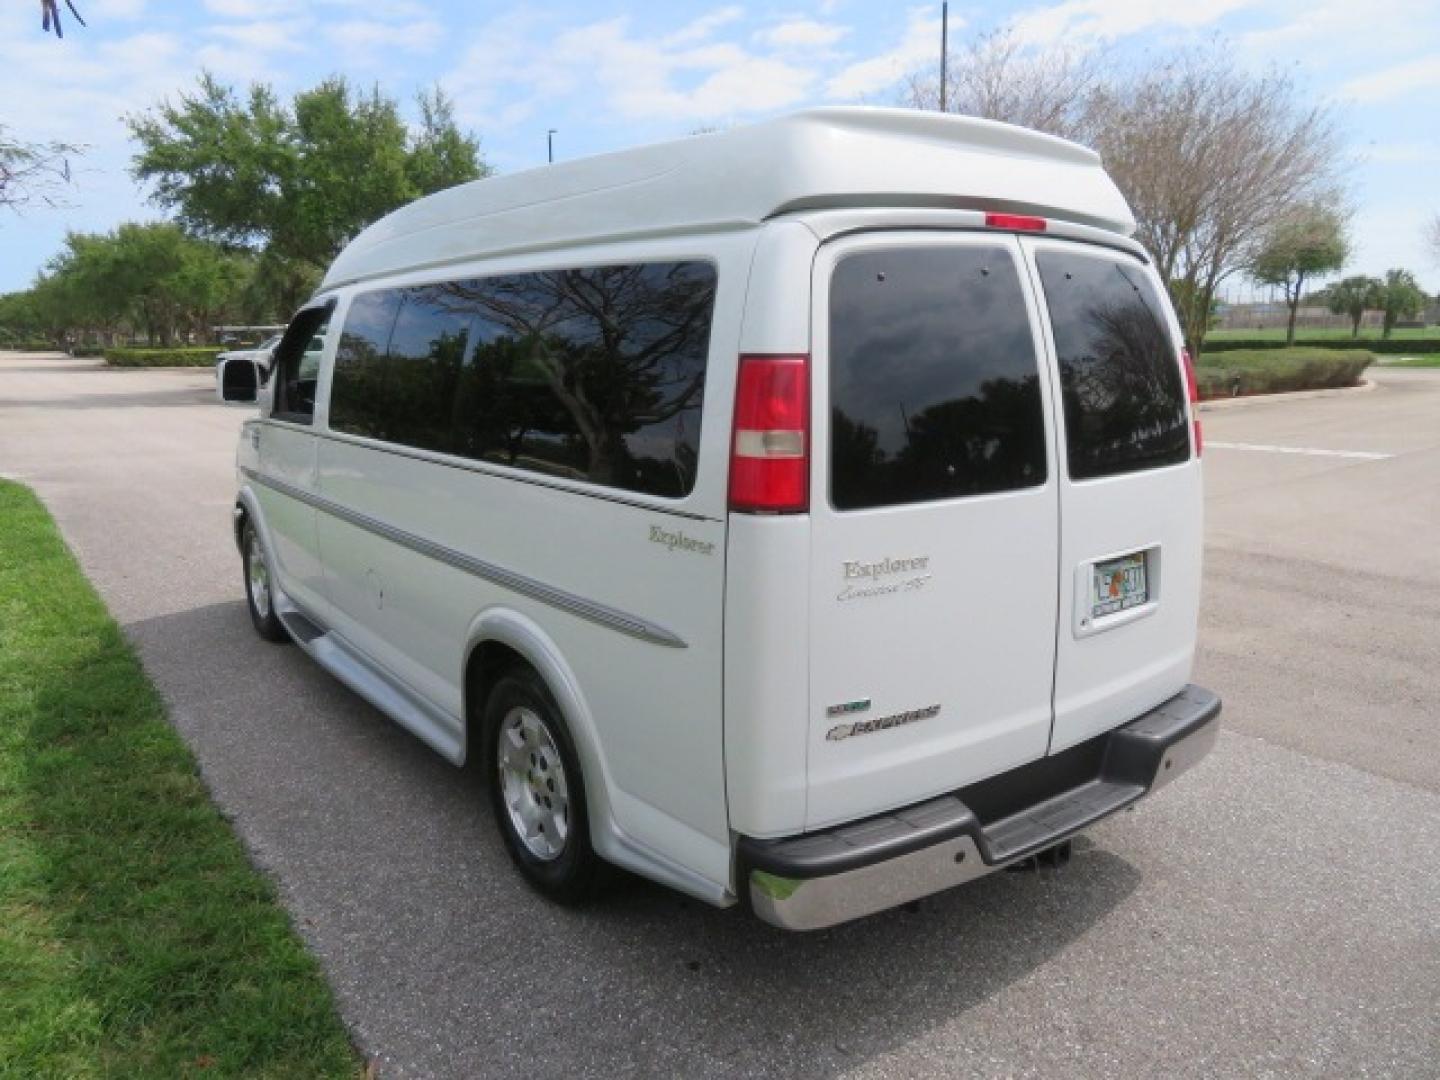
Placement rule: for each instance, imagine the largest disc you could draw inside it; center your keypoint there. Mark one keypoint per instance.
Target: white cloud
(363, 41)
(108, 12)
(803, 33)
(281, 35)
(920, 45)
(1079, 22)
(1404, 153)
(1326, 28)
(249, 9)
(704, 26)
(688, 75)
(1395, 80)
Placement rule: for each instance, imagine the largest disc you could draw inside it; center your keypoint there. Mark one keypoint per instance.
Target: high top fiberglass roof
(815, 159)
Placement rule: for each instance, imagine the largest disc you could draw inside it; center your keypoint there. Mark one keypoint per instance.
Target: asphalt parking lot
(1276, 912)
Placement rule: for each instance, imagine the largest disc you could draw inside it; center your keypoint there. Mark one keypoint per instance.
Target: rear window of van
(934, 379)
(1120, 376)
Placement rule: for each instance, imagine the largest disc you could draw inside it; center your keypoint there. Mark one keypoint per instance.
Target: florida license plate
(1120, 584)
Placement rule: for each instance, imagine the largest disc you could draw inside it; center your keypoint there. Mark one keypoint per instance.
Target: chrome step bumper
(821, 879)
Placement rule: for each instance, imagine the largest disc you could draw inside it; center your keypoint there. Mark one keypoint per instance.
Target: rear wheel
(259, 592)
(536, 789)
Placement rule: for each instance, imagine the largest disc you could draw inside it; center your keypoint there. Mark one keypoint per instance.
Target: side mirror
(238, 381)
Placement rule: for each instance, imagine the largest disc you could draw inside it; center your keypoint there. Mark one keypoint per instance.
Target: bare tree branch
(34, 172)
(50, 16)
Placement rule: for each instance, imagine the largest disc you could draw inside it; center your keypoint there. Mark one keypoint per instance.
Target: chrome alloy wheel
(532, 779)
(259, 575)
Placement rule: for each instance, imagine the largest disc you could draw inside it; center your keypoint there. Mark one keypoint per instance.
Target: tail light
(770, 451)
(1192, 389)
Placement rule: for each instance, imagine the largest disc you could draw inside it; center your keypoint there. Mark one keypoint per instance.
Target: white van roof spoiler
(825, 158)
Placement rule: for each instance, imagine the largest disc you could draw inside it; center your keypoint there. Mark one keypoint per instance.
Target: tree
(151, 277)
(296, 181)
(1208, 157)
(1306, 242)
(1353, 297)
(31, 172)
(996, 78)
(1400, 297)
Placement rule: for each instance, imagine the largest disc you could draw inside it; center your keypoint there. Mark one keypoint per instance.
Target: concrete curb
(1217, 404)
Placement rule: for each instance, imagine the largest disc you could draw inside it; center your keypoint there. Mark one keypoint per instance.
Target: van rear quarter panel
(767, 624)
(656, 708)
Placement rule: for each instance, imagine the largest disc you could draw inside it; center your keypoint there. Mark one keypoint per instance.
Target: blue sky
(607, 76)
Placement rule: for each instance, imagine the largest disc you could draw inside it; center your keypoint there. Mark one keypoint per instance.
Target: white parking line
(1313, 451)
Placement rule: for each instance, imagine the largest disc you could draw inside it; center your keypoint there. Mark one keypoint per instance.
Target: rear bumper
(824, 878)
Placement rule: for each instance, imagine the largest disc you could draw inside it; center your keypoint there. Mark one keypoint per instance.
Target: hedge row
(1239, 373)
(204, 357)
(1408, 346)
(28, 346)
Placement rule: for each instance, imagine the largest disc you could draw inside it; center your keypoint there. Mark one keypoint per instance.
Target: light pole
(944, 48)
(550, 145)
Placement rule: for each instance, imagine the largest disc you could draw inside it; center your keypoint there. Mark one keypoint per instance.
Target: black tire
(262, 611)
(573, 873)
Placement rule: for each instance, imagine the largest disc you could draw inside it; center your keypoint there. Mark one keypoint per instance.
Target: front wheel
(259, 593)
(537, 791)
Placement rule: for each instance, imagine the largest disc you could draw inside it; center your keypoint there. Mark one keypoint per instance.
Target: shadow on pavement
(388, 859)
(182, 396)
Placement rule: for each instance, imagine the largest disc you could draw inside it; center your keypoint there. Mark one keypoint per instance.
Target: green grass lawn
(1424, 360)
(1303, 335)
(136, 939)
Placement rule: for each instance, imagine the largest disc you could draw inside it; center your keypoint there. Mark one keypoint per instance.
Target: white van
(807, 514)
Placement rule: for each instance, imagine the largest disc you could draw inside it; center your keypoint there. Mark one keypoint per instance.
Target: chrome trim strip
(449, 461)
(602, 614)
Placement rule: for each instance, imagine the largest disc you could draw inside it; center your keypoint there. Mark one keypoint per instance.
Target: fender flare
(247, 508)
(521, 633)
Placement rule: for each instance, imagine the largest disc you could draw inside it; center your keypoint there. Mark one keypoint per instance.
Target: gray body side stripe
(602, 614)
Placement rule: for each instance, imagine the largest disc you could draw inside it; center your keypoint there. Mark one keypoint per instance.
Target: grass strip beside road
(1430, 360)
(1311, 335)
(136, 939)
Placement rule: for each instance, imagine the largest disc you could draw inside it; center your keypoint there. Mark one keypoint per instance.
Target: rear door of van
(934, 532)
(1130, 489)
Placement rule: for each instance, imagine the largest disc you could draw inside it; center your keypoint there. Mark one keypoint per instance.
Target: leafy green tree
(149, 277)
(1307, 242)
(1400, 296)
(296, 181)
(1354, 296)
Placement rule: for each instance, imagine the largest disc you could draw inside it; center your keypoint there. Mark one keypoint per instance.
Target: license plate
(1119, 585)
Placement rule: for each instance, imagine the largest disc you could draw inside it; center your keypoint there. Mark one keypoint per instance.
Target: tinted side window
(422, 369)
(934, 380)
(296, 362)
(594, 374)
(1119, 374)
(358, 402)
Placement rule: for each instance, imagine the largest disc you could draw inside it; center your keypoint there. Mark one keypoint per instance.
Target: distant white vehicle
(806, 515)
